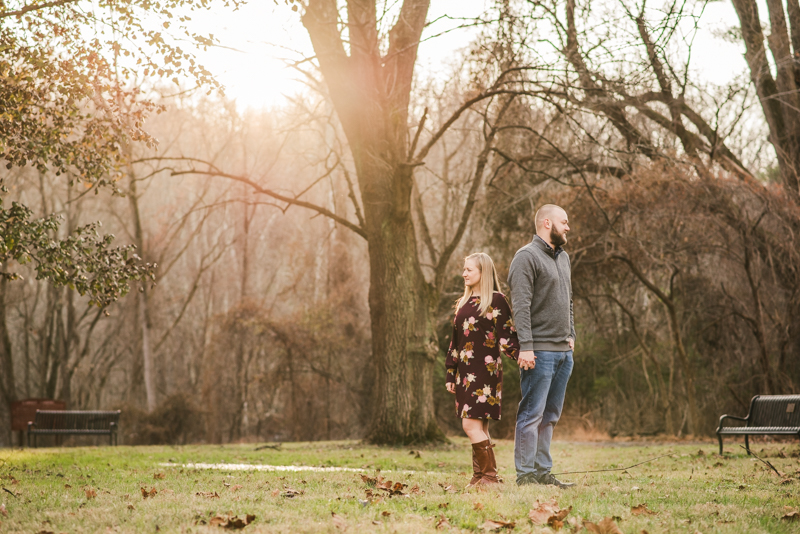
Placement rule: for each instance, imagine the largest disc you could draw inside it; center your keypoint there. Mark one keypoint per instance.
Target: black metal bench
(769, 415)
(84, 422)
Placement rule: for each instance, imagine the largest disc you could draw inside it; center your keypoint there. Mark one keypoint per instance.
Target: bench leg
(747, 444)
(719, 437)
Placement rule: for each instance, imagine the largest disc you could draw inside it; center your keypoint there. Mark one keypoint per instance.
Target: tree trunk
(371, 94)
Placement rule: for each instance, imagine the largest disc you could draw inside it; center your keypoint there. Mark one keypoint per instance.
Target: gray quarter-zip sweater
(541, 297)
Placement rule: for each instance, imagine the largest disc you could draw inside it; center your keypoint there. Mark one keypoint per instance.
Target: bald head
(550, 212)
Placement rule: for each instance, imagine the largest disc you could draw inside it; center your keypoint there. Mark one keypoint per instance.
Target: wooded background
(308, 256)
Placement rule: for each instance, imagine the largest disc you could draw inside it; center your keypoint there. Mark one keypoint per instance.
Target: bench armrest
(721, 419)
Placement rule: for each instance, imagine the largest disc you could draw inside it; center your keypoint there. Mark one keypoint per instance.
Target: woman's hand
(451, 387)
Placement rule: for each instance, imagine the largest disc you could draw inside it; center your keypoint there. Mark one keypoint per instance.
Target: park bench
(83, 422)
(24, 411)
(769, 415)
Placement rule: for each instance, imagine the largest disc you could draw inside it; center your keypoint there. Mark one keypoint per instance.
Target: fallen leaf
(417, 454)
(786, 481)
(90, 493)
(290, 492)
(386, 513)
(496, 524)
(794, 515)
(131, 507)
(477, 506)
(447, 487)
(159, 476)
(231, 522)
(642, 509)
(237, 487)
(444, 505)
(543, 511)
(275, 492)
(209, 494)
(338, 521)
(606, 526)
(67, 486)
(146, 494)
(3, 510)
(442, 523)
(416, 491)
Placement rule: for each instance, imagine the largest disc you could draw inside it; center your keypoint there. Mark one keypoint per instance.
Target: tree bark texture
(778, 95)
(371, 93)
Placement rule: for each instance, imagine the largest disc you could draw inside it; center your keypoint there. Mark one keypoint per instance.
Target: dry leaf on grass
(606, 526)
(131, 507)
(642, 509)
(290, 492)
(416, 491)
(90, 493)
(151, 493)
(237, 487)
(548, 513)
(386, 513)
(231, 522)
(3, 510)
(209, 494)
(496, 524)
(443, 523)
(477, 506)
(416, 454)
(448, 488)
(159, 476)
(791, 515)
(275, 492)
(67, 486)
(338, 521)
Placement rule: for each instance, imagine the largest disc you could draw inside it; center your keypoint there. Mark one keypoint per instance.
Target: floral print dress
(473, 360)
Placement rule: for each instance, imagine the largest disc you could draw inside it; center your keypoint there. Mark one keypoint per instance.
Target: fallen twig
(11, 492)
(261, 448)
(765, 461)
(616, 469)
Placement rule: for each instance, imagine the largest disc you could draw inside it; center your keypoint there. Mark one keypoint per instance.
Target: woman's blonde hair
(488, 284)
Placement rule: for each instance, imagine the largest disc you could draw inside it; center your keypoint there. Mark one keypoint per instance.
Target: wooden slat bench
(770, 415)
(83, 422)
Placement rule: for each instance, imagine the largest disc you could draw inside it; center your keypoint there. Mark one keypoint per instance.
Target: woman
(482, 329)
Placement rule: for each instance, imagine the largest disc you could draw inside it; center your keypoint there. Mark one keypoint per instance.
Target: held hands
(451, 387)
(571, 343)
(526, 360)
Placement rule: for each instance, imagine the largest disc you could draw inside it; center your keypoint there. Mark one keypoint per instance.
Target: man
(541, 297)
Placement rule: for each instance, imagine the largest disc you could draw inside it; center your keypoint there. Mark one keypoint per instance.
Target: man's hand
(451, 387)
(526, 360)
(571, 344)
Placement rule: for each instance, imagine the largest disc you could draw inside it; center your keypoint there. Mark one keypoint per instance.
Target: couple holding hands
(540, 336)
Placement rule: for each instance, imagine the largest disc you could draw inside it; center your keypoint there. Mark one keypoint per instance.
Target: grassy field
(155, 489)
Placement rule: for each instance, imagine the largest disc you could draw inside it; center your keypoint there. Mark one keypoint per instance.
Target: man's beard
(556, 238)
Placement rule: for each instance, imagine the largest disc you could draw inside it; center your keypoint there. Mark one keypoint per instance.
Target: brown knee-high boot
(478, 450)
(490, 468)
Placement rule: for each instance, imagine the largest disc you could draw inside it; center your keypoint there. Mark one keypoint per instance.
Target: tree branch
(289, 200)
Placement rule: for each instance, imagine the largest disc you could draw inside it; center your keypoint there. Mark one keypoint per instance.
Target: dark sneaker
(526, 479)
(549, 479)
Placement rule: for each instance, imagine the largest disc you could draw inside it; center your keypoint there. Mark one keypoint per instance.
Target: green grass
(688, 491)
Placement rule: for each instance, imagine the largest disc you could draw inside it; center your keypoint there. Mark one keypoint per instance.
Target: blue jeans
(543, 389)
